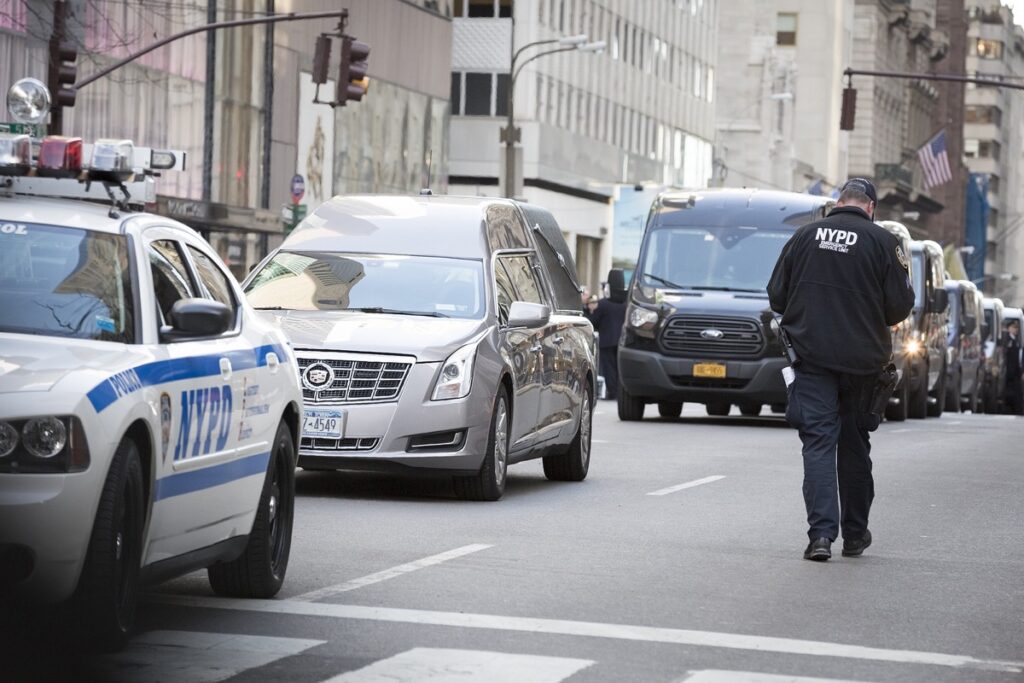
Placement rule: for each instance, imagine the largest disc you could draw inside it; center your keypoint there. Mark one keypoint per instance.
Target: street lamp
(510, 135)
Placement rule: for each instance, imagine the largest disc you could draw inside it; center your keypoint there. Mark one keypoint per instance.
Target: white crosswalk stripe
(720, 676)
(464, 666)
(158, 656)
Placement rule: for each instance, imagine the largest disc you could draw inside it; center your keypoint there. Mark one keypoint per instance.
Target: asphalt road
(629, 576)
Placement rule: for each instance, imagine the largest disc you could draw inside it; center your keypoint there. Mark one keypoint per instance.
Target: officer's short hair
(855, 196)
(860, 190)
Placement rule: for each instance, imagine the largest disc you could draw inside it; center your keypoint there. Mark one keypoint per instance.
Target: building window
(978, 113)
(989, 149)
(482, 9)
(970, 148)
(456, 93)
(993, 184)
(478, 94)
(987, 49)
(785, 28)
(501, 95)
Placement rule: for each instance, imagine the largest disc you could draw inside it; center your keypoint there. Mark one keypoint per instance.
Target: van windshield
(738, 258)
(917, 275)
(65, 282)
(378, 283)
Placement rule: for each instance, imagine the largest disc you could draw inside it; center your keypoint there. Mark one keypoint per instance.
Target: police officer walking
(840, 283)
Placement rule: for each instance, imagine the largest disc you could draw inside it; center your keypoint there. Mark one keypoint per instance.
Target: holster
(876, 395)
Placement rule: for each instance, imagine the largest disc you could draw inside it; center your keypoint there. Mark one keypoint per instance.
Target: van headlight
(642, 318)
(912, 347)
(456, 376)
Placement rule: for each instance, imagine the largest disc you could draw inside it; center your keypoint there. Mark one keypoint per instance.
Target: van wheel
(778, 408)
(953, 392)
(670, 409)
(718, 408)
(897, 412)
(105, 601)
(574, 464)
(489, 483)
(259, 571)
(935, 409)
(750, 409)
(917, 408)
(631, 408)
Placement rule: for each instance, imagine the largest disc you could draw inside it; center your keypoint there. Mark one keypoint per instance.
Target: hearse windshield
(726, 258)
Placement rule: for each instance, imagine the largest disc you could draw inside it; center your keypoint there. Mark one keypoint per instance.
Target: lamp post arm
(535, 43)
(515, 74)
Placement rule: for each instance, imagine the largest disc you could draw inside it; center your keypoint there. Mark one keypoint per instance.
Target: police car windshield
(65, 282)
(408, 285)
(731, 258)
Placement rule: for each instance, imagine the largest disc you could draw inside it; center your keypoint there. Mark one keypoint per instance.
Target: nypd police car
(148, 418)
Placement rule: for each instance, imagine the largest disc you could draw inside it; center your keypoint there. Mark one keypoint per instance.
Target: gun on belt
(787, 344)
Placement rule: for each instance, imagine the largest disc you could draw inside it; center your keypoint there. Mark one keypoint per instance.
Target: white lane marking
(719, 676)
(194, 656)
(687, 485)
(391, 573)
(899, 431)
(592, 440)
(651, 634)
(464, 666)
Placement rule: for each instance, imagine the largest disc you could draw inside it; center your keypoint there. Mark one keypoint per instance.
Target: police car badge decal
(902, 258)
(165, 424)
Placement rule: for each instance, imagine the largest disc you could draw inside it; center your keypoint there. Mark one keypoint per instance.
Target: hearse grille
(712, 336)
(336, 380)
(318, 444)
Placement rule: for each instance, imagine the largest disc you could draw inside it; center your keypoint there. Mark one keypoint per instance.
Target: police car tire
(670, 409)
(485, 485)
(259, 571)
(897, 412)
(574, 464)
(631, 408)
(105, 601)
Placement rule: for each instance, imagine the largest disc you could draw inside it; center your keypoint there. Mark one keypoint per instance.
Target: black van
(927, 345)
(965, 373)
(698, 320)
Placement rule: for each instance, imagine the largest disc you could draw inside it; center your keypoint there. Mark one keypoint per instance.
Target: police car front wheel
(259, 571)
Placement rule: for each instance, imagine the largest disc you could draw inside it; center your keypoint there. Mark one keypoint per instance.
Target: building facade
(993, 148)
(638, 113)
(778, 107)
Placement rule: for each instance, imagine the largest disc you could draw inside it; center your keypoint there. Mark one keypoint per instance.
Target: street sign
(36, 130)
(298, 188)
(292, 216)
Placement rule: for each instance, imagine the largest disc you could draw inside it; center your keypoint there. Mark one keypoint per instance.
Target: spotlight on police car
(28, 101)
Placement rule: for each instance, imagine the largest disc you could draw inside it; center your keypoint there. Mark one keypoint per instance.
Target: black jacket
(840, 283)
(608, 319)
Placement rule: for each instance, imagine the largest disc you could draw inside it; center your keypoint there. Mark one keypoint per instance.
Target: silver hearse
(435, 334)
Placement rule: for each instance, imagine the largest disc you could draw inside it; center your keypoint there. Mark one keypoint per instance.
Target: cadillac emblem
(712, 334)
(318, 376)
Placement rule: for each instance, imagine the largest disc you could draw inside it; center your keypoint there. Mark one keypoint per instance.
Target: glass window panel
(215, 281)
(785, 28)
(456, 96)
(501, 95)
(478, 94)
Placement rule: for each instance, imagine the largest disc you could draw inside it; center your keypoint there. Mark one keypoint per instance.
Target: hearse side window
(520, 269)
(505, 290)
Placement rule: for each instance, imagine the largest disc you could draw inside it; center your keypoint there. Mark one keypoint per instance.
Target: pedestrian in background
(840, 283)
(608, 317)
(1014, 361)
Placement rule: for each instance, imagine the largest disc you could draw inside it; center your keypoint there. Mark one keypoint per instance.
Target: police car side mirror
(940, 301)
(192, 318)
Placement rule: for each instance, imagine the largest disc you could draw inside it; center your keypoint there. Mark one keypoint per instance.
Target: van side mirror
(617, 285)
(192, 318)
(939, 302)
(970, 324)
(530, 316)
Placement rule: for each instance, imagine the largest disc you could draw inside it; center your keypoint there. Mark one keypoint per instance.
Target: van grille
(355, 380)
(712, 336)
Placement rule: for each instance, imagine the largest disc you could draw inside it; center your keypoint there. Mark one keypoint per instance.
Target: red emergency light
(59, 157)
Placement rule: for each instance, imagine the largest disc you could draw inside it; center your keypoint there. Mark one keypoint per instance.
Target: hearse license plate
(714, 370)
(323, 423)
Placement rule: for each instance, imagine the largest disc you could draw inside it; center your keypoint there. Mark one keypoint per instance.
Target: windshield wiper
(395, 311)
(270, 308)
(663, 281)
(727, 289)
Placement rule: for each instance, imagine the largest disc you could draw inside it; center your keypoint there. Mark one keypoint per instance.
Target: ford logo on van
(712, 333)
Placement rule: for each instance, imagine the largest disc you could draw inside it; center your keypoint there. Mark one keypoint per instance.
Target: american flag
(935, 161)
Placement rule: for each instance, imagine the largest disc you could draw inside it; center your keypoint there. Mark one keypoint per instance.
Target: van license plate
(714, 370)
(323, 424)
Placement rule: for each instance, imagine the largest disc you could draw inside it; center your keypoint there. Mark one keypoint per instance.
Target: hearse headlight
(456, 377)
(44, 437)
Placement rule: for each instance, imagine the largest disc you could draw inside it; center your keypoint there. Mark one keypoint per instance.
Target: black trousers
(1014, 395)
(609, 361)
(825, 407)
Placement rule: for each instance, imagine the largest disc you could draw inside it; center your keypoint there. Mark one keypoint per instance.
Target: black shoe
(856, 547)
(819, 550)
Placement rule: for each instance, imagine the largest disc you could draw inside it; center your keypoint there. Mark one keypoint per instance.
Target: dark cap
(862, 185)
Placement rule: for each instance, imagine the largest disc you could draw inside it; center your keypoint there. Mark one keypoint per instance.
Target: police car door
(211, 460)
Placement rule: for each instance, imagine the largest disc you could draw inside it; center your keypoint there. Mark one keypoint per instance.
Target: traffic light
(321, 59)
(63, 53)
(849, 110)
(352, 80)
